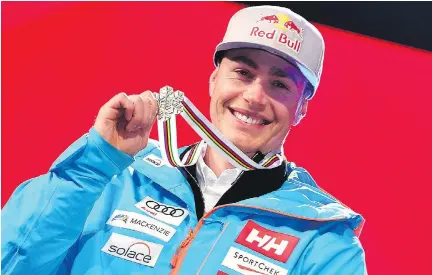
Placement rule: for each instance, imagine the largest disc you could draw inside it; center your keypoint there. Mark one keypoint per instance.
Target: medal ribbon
(173, 103)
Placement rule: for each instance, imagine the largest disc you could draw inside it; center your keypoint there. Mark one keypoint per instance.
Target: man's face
(254, 98)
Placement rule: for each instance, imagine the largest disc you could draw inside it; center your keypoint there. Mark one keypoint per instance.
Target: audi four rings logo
(164, 209)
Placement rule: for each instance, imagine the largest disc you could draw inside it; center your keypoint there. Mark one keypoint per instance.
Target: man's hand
(125, 121)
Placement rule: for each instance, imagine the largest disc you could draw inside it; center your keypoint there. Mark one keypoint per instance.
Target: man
(109, 205)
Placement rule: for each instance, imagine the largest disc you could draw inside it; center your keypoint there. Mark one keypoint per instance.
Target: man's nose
(256, 95)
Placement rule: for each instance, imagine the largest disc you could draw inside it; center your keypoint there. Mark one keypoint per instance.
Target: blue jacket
(100, 211)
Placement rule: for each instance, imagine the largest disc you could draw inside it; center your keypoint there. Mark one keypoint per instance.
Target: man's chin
(247, 143)
(246, 146)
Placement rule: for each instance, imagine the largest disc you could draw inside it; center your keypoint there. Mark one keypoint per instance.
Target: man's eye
(244, 73)
(279, 84)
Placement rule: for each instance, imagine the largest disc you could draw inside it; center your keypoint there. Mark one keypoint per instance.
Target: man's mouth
(248, 118)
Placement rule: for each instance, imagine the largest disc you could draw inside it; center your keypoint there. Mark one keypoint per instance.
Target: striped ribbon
(173, 103)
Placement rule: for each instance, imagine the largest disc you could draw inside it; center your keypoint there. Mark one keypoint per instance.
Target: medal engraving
(170, 103)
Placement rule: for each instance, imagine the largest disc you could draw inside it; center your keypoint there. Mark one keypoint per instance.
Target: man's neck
(216, 162)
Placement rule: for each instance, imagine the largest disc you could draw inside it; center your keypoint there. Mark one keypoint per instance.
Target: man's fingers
(125, 121)
(119, 104)
(138, 113)
(151, 105)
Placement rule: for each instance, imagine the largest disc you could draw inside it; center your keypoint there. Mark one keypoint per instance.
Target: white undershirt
(213, 187)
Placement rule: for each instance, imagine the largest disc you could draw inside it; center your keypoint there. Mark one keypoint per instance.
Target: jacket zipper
(211, 249)
(184, 246)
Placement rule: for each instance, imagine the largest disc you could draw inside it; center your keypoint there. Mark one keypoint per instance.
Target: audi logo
(167, 210)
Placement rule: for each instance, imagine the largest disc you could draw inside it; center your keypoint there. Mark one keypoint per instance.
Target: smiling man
(255, 97)
(110, 205)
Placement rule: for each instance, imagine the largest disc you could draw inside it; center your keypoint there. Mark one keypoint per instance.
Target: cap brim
(307, 73)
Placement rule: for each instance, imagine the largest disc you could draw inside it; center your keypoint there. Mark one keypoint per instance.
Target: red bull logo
(290, 34)
(293, 27)
(283, 22)
(271, 19)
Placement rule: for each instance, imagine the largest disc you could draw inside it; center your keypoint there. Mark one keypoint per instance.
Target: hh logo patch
(141, 223)
(166, 213)
(249, 264)
(154, 160)
(272, 244)
(134, 250)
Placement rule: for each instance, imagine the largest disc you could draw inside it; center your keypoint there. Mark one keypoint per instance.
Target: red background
(366, 138)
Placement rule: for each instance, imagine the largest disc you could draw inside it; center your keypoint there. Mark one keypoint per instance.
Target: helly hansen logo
(272, 244)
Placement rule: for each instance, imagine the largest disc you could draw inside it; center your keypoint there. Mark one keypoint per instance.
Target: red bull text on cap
(279, 31)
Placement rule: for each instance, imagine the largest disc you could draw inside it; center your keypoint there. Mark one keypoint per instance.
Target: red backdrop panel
(366, 138)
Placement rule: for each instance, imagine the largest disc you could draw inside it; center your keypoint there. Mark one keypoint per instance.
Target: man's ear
(212, 80)
(304, 108)
(301, 112)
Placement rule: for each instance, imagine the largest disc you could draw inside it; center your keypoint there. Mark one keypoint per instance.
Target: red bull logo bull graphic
(289, 33)
(293, 27)
(270, 18)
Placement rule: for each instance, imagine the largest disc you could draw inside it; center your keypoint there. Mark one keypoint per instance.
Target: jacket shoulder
(153, 147)
(301, 177)
(300, 174)
(336, 251)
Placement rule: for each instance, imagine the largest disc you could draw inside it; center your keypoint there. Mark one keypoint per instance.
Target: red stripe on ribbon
(215, 137)
(192, 151)
(167, 149)
(271, 162)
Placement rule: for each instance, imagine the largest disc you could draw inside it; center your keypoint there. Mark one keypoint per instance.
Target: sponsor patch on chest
(275, 245)
(154, 160)
(248, 264)
(141, 223)
(164, 212)
(134, 250)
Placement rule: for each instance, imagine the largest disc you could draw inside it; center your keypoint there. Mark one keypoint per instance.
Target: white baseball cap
(281, 32)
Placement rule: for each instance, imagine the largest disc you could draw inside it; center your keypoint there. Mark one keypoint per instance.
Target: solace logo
(134, 250)
(272, 244)
(139, 251)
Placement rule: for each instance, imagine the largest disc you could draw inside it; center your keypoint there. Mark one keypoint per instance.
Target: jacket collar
(287, 189)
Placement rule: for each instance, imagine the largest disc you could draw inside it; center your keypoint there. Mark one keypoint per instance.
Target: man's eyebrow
(291, 72)
(245, 60)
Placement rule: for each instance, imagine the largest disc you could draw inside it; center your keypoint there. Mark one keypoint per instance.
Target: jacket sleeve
(45, 216)
(338, 252)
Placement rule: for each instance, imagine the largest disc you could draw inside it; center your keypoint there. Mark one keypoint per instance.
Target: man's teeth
(247, 119)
